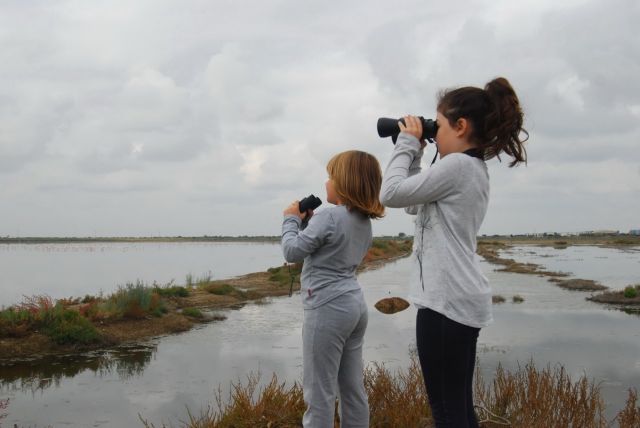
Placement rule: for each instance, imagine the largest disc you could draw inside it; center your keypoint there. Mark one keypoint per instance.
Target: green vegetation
(282, 274)
(193, 313)
(134, 301)
(67, 326)
(498, 299)
(518, 299)
(171, 291)
(631, 292)
(38, 313)
(220, 289)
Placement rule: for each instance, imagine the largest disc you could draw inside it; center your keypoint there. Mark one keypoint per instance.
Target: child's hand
(412, 126)
(294, 209)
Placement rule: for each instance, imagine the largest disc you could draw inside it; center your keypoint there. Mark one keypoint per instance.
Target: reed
(527, 397)
(629, 416)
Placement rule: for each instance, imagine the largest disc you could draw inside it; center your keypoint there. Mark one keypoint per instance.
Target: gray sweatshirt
(450, 199)
(332, 246)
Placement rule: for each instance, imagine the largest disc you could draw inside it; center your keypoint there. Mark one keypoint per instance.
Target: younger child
(332, 246)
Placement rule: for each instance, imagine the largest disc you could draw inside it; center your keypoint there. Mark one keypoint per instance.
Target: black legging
(447, 352)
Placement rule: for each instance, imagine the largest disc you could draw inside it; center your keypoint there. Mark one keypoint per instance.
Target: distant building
(634, 232)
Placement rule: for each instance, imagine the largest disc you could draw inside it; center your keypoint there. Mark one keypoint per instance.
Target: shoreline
(181, 311)
(276, 281)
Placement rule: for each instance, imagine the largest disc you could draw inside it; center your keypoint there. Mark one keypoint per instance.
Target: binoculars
(311, 202)
(388, 127)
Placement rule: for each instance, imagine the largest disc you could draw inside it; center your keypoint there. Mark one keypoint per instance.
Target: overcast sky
(149, 117)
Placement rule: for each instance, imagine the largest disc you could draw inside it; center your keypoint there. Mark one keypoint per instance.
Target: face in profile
(332, 198)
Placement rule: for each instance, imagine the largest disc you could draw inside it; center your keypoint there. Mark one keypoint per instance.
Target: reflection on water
(64, 270)
(179, 372)
(40, 374)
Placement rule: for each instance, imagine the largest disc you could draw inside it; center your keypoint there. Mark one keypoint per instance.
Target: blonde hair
(357, 179)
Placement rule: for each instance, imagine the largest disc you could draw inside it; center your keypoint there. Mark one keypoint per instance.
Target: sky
(191, 118)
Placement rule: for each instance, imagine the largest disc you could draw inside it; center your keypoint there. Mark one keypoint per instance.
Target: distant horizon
(215, 237)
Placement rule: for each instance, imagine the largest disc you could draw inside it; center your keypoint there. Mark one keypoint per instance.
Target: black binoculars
(311, 202)
(388, 127)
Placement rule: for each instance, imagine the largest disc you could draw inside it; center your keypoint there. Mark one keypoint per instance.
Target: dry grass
(629, 417)
(528, 397)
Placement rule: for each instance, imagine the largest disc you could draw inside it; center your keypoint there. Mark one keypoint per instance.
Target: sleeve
(298, 244)
(401, 189)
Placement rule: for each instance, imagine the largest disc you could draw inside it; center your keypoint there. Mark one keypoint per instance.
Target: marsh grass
(39, 313)
(283, 274)
(630, 416)
(193, 312)
(134, 301)
(518, 299)
(220, 289)
(528, 397)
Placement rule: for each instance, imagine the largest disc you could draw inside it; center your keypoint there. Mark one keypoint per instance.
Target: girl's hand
(413, 126)
(294, 209)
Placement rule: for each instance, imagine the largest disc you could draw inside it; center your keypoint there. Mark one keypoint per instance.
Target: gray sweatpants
(332, 337)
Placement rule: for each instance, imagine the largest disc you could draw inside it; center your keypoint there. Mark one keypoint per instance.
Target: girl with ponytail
(450, 200)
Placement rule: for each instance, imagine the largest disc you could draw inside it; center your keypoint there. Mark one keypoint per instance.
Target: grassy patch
(631, 292)
(498, 299)
(69, 327)
(193, 313)
(134, 301)
(282, 274)
(171, 291)
(518, 299)
(220, 289)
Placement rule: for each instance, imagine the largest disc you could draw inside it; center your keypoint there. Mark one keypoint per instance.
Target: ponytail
(495, 115)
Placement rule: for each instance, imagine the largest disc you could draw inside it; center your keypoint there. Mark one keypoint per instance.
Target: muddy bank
(627, 299)
(212, 295)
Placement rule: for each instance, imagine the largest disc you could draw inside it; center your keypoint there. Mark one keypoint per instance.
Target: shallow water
(64, 270)
(168, 375)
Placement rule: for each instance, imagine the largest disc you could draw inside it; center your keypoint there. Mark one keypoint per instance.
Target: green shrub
(220, 289)
(518, 299)
(69, 327)
(498, 299)
(173, 291)
(135, 301)
(630, 292)
(192, 312)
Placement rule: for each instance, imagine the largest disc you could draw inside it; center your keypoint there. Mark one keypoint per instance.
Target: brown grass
(528, 397)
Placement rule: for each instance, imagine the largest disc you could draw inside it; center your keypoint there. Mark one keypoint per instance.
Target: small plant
(498, 299)
(193, 313)
(220, 289)
(631, 292)
(171, 291)
(69, 327)
(518, 299)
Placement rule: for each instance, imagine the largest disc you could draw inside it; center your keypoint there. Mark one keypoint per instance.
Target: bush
(631, 292)
(69, 327)
(220, 289)
(173, 291)
(518, 299)
(135, 301)
(498, 299)
(192, 312)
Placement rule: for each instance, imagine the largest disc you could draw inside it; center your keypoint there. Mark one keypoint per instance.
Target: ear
(462, 127)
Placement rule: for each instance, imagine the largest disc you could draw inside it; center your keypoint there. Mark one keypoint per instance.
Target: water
(162, 378)
(64, 270)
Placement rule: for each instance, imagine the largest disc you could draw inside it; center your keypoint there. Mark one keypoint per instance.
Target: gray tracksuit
(335, 314)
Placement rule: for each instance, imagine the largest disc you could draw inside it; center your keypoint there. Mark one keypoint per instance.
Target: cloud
(186, 113)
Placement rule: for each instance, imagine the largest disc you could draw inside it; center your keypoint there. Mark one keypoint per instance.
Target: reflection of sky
(612, 267)
(552, 326)
(63, 270)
